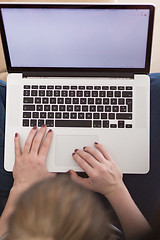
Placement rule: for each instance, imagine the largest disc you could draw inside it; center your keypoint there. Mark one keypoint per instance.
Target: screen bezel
(73, 71)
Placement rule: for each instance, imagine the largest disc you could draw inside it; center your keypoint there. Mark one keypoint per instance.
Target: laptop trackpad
(66, 144)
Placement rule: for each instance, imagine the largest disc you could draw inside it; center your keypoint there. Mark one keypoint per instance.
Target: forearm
(8, 210)
(133, 222)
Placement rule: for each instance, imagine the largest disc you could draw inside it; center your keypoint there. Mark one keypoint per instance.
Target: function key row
(78, 87)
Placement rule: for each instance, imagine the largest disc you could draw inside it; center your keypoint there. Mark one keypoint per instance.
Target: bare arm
(106, 178)
(29, 168)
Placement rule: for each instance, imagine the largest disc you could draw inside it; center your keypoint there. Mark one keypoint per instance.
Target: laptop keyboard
(78, 106)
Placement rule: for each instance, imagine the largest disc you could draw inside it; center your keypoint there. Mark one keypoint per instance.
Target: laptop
(82, 69)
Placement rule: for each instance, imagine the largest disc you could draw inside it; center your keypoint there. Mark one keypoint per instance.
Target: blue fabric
(145, 189)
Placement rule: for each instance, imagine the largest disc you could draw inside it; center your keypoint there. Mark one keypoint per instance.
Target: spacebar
(73, 123)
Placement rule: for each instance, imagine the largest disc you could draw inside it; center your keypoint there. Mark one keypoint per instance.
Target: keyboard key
(41, 93)
(77, 108)
(105, 101)
(40, 122)
(121, 88)
(66, 115)
(62, 108)
(121, 101)
(97, 87)
(79, 93)
(129, 88)
(89, 87)
(75, 100)
(26, 115)
(81, 87)
(33, 122)
(42, 87)
(34, 93)
(56, 93)
(96, 124)
(125, 116)
(52, 100)
(68, 100)
(128, 125)
(114, 101)
(113, 125)
(34, 86)
(64, 94)
(109, 93)
(25, 123)
(58, 115)
(120, 124)
(37, 100)
(126, 94)
(74, 87)
(111, 115)
(99, 108)
(85, 108)
(105, 124)
(96, 116)
(88, 115)
(49, 93)
(95, 94)
(90, 100)
(50, 87)
(92, 108)
(117, 94)
(113, 88)
(39, 108)
(115, 108)
(123, 109)
(87, 94)
(50, 123)
(45, 100)
(102, 94)
(29, 107)
(54, 108)
(58, 87)
(28, 100)
(26, 92)
(65, 87)
(35, 115)
(83, 101)
(47, 108)
(42, 115)
(72, 93)
(51, 115)
(73, 115)
(98, 100)
(107, 108)
(60, 100)
(105, 88)
(80, 115)
(69, 108)
(103, 115)
(26, 86)
(73, 123)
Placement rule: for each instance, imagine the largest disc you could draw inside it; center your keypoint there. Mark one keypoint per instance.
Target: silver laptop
(82, 70)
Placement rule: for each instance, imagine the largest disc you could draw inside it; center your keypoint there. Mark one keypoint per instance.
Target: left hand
(30, 165)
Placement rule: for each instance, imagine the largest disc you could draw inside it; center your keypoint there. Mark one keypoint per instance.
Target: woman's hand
(104, 175)
(30, 165)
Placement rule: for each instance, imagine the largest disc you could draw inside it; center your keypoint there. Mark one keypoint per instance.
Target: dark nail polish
(76, 150)
(95, 143)
(73, 154)
(84, 148)
(35, 127)
(43, 125)
(50, 130)
(16, 134)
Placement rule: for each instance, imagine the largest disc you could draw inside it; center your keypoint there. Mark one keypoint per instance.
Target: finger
(29, 140)
(45, 145)
(105, 153)
(82, 181)
(83, 164)
(87, 157)
(38, 139)
(17, 146)
(95, 153)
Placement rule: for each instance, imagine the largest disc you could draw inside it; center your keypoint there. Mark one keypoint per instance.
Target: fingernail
(43, 125)
(16, 134)
(76, 150)
(84, 148)
(50, 130)
(73, 154)
(95, 143)
(35, 127)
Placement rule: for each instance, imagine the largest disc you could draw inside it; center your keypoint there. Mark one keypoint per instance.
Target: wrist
(119, 190)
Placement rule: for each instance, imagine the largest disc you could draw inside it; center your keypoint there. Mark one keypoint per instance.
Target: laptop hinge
(79, 74)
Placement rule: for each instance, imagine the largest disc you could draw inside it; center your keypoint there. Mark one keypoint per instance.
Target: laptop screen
(76, 37)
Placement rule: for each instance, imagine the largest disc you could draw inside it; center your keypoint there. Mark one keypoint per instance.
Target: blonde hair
(58, 209)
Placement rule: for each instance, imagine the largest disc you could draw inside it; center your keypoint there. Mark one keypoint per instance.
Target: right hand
(104, 176)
